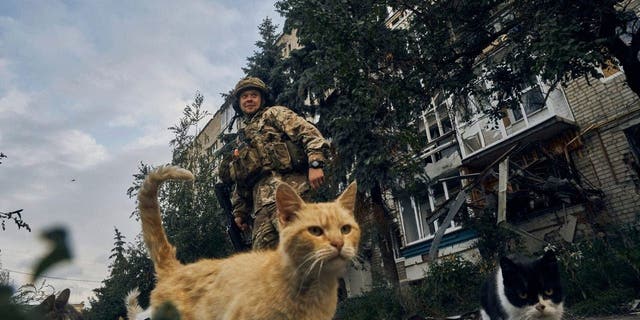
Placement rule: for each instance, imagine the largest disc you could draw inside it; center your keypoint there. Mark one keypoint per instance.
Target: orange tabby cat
(298, 280)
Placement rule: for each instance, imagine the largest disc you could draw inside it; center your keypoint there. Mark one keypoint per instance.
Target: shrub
(381, 303)
(602, 274)
(452, 286)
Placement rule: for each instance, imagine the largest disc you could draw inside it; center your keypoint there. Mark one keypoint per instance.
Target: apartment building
(569, 167)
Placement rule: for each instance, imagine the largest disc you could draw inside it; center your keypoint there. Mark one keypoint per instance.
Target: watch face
(316, 164)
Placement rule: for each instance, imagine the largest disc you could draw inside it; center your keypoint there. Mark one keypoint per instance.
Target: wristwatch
(316, 164)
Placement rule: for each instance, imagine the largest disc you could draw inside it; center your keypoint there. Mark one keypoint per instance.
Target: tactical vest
(262, 149)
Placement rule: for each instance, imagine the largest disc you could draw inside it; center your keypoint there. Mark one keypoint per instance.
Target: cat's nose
(337, 244)
(540, 307)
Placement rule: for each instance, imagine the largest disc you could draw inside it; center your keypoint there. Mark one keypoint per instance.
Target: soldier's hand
(240, 223)
(316, 178)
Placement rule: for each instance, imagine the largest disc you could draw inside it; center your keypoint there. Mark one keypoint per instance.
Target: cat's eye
(522, 295)
(548, 292)
(316, 231)
(345, 229)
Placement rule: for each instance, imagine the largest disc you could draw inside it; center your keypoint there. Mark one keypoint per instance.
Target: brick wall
(603, 109)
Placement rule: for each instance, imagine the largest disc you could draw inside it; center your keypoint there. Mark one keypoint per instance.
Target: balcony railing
(544, 118)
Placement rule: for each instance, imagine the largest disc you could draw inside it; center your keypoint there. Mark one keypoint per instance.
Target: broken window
(413, 212)
(417, 209)
(532, 100)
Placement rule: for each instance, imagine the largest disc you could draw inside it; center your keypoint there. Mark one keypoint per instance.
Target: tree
(493, 48)
(366, 106)
(108, 303)
(265, 63)
(191, 217)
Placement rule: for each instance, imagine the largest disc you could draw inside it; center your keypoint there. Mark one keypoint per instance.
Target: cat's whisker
(307, 258)
(318, 259)
(308, 271)
(320, 269)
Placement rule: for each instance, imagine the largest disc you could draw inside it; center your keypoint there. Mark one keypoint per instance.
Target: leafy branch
(16, 216)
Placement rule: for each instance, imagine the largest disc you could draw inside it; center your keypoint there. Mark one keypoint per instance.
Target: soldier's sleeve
(239, 202)
(299, 129)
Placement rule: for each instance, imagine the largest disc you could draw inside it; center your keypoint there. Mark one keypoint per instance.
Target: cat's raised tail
(131, 303)
(134, 311)
(162, 253)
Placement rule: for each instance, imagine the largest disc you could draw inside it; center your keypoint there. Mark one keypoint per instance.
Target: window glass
(408, 220)
(421, 127)
(532, 101)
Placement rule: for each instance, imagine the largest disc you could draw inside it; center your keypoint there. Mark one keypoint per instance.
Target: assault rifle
(241, 240)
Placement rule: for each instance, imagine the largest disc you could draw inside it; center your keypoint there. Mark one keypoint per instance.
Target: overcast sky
(87, 92)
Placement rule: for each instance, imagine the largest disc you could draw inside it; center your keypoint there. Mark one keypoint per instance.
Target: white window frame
(423, 235)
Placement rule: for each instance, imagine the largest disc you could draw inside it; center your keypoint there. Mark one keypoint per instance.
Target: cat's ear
(63, 298)
(507, 265)
(509, 271)
(288, 203)
(348, 198)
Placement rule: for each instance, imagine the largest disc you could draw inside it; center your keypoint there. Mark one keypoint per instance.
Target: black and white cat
(523, 289)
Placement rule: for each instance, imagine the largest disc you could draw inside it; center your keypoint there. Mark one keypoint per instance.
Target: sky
(87, 92)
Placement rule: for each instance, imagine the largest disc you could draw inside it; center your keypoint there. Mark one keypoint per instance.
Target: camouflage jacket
(263, 157)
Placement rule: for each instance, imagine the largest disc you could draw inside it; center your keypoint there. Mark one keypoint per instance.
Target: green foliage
(108, 303)
(265, 63)
(347, 67)
(493, 241)
(600, 276)
(603, 273)
(459, 46)
(380, 303)
(451, 286)
(191, 217)
(32, 293)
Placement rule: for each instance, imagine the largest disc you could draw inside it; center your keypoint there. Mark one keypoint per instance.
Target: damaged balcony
(483, 140)
(441, 155)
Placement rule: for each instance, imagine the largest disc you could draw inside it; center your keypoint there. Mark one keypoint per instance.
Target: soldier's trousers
(265, 228)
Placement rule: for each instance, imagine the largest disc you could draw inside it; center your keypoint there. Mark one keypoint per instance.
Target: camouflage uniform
(263, 159)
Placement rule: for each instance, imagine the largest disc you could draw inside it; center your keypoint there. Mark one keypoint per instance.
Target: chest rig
(264, 148)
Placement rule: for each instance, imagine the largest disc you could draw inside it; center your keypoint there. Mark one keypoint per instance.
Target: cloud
(13, 103)
(77, 149)
(87, 92)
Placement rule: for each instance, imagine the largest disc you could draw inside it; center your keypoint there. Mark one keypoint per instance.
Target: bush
(452, 286)
(381, 303)
(602, 274)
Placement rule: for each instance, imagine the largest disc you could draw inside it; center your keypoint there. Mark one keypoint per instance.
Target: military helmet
(250, 83)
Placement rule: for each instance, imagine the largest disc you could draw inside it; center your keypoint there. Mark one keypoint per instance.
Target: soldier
(274, 145)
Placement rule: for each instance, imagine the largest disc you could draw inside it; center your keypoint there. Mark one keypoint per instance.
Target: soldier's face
(250, 101)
